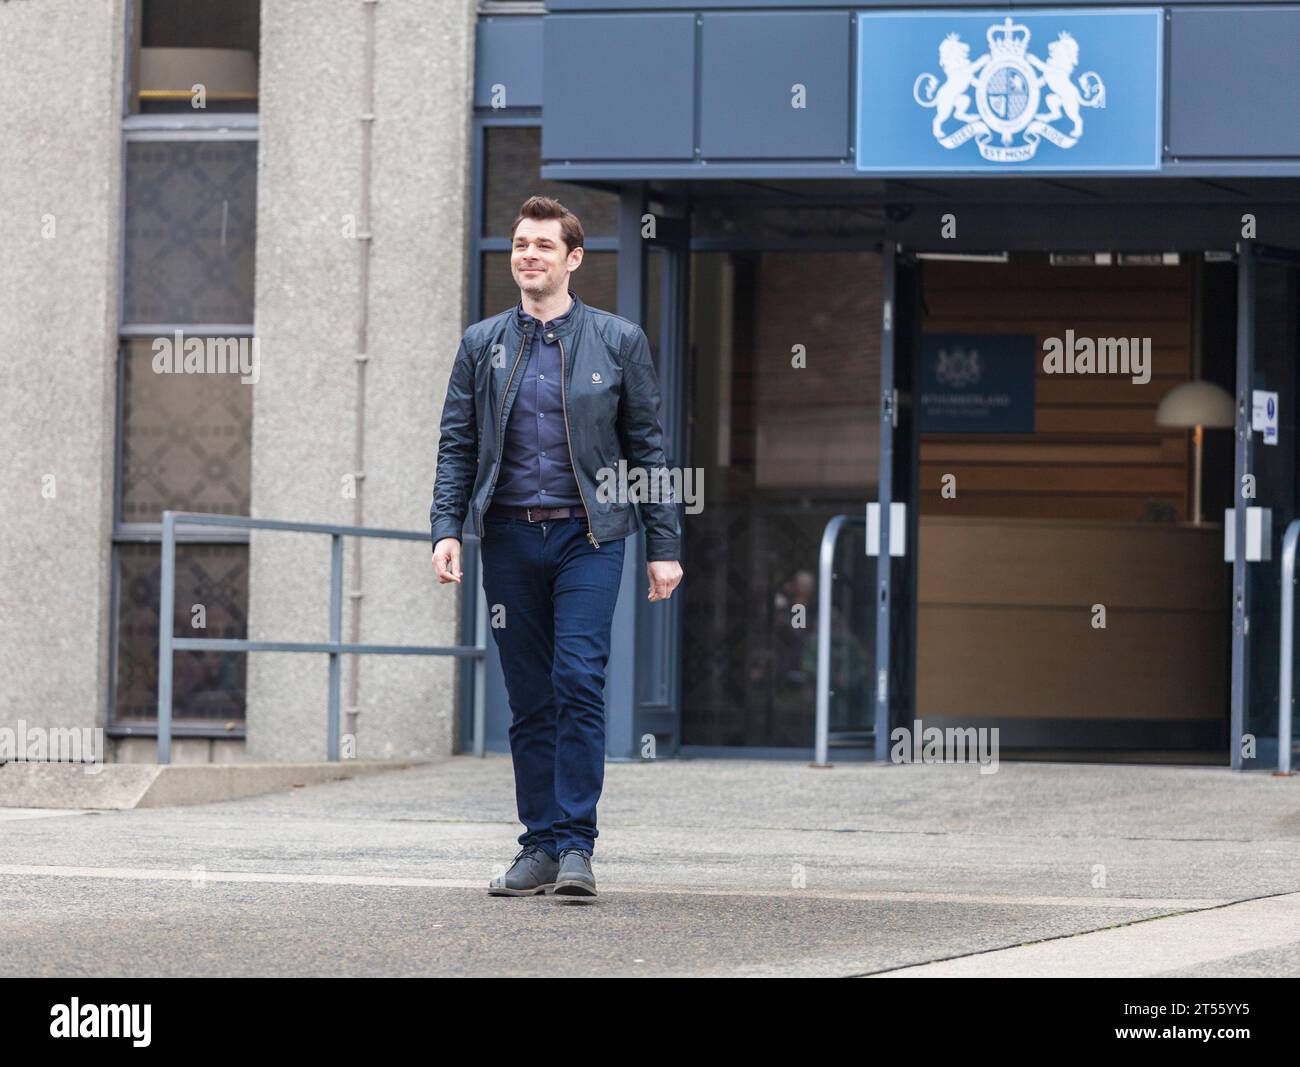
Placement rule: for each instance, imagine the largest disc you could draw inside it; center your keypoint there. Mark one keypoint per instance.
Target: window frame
(132, 29)
(207, 125)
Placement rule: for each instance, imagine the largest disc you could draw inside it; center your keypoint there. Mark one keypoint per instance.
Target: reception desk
(1005, 623)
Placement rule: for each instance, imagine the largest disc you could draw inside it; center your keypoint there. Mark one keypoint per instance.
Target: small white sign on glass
(1263, 414)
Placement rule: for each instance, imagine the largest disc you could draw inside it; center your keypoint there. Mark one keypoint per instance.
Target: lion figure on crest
(1062, 96)
(950, 98)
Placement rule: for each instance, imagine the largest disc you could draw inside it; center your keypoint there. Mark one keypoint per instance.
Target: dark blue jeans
(557, 594)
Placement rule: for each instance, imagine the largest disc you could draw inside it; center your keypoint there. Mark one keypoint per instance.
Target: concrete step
(120, 786)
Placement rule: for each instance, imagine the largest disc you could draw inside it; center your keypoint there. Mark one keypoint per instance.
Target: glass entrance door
(1268, 346)
(1066, 595)
(783, 395)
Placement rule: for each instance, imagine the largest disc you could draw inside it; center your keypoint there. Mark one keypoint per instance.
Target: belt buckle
(528, 512)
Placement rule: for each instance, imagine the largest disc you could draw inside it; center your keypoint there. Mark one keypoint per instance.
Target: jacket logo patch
(595, 377)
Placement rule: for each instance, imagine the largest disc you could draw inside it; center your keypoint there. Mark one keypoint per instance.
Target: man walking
(544, 401)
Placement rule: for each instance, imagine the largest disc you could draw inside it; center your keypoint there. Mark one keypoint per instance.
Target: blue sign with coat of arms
(977, 383)
(1008, 93)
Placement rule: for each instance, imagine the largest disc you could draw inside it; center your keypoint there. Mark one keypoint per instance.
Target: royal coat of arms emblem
(1006, 85)
(957, 367)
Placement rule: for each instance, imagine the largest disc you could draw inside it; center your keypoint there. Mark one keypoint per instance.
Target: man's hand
(664, 576)
(446, 560)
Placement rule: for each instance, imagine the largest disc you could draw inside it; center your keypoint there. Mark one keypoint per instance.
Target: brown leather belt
(532, 514)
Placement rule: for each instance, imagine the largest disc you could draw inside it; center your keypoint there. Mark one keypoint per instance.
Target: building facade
(291, 172)
(1023, 277)
(960, 262)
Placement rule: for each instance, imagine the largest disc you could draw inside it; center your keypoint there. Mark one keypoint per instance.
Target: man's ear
(573, 263)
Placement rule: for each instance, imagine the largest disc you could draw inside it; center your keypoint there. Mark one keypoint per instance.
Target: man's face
(539, 262)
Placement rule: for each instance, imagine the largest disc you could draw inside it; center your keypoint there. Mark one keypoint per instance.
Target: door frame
(896, 584)
(897, 483)
(657, 705)
(643, 674)
(1249, 255)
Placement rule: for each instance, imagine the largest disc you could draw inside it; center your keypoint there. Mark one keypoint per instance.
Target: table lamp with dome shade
(1196, 405)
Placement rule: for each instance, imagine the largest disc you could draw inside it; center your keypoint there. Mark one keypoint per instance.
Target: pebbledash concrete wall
(60, 189)
(311, 298)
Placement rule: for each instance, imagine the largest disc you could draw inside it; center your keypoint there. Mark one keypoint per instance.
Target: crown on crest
(1009, 39)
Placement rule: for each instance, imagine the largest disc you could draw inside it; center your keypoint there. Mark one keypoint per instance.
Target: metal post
(1241, 467)
(825, 589)
(336, 636)
(622, 705)
(166, 620)
(885, 494)
(480, 664)
(1287, 648)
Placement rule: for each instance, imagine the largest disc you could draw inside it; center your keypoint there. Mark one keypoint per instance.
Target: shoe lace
(580, 851)
(524, 852)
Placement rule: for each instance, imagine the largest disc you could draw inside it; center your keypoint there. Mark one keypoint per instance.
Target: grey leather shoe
(532, 872)
(574, 878)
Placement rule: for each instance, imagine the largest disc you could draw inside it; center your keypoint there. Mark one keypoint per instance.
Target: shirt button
(550, 337)
(542, 377)
(541, 414)
(543, 452)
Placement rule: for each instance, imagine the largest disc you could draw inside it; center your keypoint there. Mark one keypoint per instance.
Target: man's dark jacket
(611, 409)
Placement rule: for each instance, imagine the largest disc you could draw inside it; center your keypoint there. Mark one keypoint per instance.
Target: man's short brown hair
(543, 207)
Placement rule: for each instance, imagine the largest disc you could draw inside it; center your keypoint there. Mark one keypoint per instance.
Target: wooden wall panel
(1052, 564)
(975, 663)
(1005, 619)
(1096, 451)
(818, 424)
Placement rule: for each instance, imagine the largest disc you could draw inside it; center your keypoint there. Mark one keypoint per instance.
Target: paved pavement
(705, 867)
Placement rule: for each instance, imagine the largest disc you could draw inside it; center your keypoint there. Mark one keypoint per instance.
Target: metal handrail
(825, 579)
(1286, 647)
(169, 643)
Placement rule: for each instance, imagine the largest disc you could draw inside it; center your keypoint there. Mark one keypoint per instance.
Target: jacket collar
(563, 328)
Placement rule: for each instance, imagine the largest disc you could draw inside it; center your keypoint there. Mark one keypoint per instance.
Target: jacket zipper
(501, 432)
(576, 480)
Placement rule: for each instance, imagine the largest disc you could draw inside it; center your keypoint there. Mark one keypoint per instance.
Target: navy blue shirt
(535, 466)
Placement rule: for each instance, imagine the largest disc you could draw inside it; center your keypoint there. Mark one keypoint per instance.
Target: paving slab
(705, 867)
